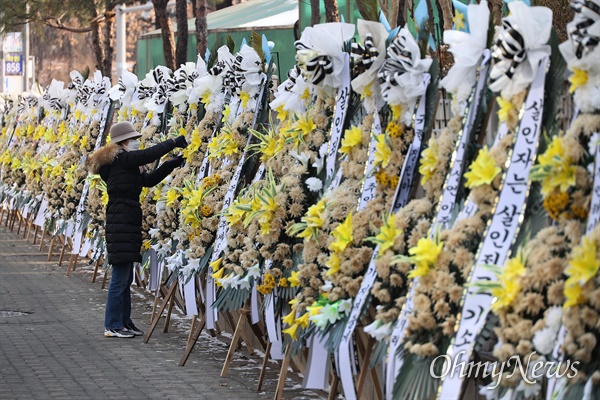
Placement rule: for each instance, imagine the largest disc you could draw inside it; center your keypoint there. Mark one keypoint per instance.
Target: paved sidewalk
(57, 350)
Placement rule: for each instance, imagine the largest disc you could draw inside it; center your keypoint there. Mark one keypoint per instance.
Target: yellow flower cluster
(312, 222)
(343, 237)
(555, 169)
(584, 266)
(508, 281)
(483, 170)
(383, 179)
(424, 255)
(387, 234)
(268, 284)
(352, 138)
(223, 145)
(194, 145)
(429, 159)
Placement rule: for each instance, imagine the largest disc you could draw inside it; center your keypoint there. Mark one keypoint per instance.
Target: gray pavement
(52, 344)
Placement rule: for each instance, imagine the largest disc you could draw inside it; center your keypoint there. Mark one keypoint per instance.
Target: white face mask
(133, 145)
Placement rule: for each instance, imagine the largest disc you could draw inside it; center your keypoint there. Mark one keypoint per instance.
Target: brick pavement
(57, 350)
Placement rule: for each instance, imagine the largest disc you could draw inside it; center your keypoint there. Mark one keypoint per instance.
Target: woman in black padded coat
(120, 166)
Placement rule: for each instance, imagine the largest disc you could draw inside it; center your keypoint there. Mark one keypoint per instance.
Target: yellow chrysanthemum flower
(282, 114)
(205, 98)
(573, 295)
(383, 151)
(387, 234)
(396, 111)
(483, 170)
(83, 143)
(429, 159)
(424, 255)
(171, 196)
(343, 235)
(293, 279)
(311, 222)
(577, 79)
(333, 265)
(352, 137)
(584, 263)
(506, 107)
(244, 97)
(554, 168)
(505, 294)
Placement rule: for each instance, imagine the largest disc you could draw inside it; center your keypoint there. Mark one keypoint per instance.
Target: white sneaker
(120, 333)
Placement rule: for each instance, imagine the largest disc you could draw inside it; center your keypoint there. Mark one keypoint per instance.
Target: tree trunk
(201, 28)
(331, 11)
(446, 6)
(398, 13)
(162, 18)
(97, 40)
(315, 8)
(109, 34)
(182, 33)
(497, 11)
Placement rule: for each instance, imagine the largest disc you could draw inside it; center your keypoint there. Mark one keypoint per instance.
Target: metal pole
(121, 40)
(2, 65)
(26, 55)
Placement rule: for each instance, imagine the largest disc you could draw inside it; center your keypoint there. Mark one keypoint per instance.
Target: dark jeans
(118, 302)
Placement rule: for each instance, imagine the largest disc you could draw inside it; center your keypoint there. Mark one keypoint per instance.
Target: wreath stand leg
(29, 225)
(95, 274)
(156, 317)
(283, 374)
(35, 233)
(367, 350)
(51, 250)
(42, 240)
(67, 242)
(198, 324)
(263, 369)
(104, 279)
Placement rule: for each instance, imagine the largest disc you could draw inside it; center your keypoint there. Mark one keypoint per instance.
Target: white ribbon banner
(412, 157)
(318, 358)
(341, 108)
(503, 228)
(368, 189)
(594, 215)
(345, 351)
(254, 314)
(189, 293)
(451, 186)
(39, 218)
(273, 327)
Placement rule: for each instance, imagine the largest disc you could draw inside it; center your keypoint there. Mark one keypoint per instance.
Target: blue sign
(13, 64)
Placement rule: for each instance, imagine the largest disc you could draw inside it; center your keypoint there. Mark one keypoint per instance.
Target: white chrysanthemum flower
(554, 318)
(543, 340)
(327, 286)
(314, 184)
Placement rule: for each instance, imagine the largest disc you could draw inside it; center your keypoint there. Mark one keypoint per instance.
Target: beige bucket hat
(122, 131)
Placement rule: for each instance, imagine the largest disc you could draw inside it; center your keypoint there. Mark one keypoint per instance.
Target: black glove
(176, 161)
(181, 142)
